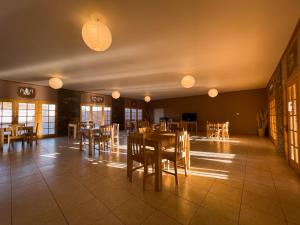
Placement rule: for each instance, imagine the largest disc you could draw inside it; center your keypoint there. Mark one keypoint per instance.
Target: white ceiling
(227, 44)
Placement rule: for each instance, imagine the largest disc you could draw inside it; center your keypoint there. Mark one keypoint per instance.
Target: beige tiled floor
(240, 181)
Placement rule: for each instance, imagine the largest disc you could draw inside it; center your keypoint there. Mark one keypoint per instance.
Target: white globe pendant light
(147, 98)
(213, 92)
(115, 94)
(55, 83)
(96, 35)
(188, 81)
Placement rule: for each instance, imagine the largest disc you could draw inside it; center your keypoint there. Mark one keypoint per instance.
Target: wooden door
(292, 116)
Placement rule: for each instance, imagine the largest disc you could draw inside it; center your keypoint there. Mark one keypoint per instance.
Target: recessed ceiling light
(212, 92)
(96, 35)
(55, 83)
(147, 98)
(115, 94)
(188, 81)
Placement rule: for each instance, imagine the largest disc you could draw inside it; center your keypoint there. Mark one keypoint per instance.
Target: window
(158, 113)
(48, 119)
(97, 114)
(133, 115)
(272, 112)
(127, 114)
(85, 113)
(5, 114)
(140, 114)
(107, 115)
(26, 114)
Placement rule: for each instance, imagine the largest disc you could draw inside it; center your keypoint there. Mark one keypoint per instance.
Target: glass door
(292, 113)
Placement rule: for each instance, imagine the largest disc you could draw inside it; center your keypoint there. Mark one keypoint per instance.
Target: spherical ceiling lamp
(147, 98)
(115, 94)
(212, 92)
(55, 83)
(96, 35)
(188, 81)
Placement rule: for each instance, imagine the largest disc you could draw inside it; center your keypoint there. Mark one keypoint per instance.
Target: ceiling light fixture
(115, 94)
(188, 81)
(147, 98)
(55, 83)
(213, 92)
(96, 35)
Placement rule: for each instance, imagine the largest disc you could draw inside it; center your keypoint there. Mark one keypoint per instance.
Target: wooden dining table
(160, 141)
(89, 132)
(27, 130)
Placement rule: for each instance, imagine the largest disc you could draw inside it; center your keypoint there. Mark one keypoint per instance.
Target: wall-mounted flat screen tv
(189, 116)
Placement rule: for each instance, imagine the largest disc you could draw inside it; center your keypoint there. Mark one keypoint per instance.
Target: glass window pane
(22, 119)
(51, 131)
(30, 113)
(6, 119)
(51, 113)
(52, 125)
(45, 125)
(31, 106)
(52, 107)
(45, 107)
(51, 119)
(22, 106)
(7, 112)
(45, 131)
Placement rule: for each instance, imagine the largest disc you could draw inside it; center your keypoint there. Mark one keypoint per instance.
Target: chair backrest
(145, 130)
(181, 141)
(116, 128)
(136, 146)
(227, 125)
(163, 125)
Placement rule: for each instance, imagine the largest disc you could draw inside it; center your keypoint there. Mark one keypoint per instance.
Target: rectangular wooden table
(160, 141)
(27, 130)
(89, 133)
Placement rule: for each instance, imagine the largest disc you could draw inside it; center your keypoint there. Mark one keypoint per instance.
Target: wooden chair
(136, 152)
(35, 133)
(116, 132)
(163, 125)
(145, 130)
(173, 126)
(15, 134)
(103, 137)
(177, 153)
(226, 130)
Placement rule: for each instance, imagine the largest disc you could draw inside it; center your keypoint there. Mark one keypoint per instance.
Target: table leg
(80, 141)
(158, 169)
(75, 132)
(90, 141)
(187, 152)
(1, 139)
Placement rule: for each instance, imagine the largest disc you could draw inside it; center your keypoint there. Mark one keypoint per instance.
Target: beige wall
(8, 90)
(86, 98)
(222, 108)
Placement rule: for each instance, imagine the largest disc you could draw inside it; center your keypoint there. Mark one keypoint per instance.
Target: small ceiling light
(55, 83)
(115, 94)
(212, 92)
(147, 98)
(96, 35)
(188, 81)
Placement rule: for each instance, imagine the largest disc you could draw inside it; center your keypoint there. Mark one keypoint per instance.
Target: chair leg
(185, 166)
(175, 169)
(129, 169)
(145, 174)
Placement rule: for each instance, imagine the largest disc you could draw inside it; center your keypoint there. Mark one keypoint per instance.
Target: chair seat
(170, 154)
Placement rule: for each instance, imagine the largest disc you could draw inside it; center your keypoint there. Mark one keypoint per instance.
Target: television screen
(189, 116)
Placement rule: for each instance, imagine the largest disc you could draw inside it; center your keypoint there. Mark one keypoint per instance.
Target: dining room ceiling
(230, 45)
